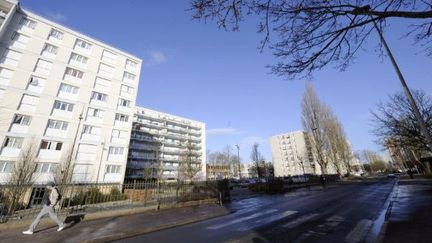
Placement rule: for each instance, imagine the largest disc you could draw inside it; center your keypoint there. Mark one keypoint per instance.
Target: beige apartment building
(64, 93)
(292, 154)
(159, 144)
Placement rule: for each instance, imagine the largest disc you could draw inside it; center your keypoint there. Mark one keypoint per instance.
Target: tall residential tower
(65, 94)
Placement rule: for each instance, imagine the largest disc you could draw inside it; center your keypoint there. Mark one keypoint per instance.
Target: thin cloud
(59, 17)
(223, 131)
(156, 58)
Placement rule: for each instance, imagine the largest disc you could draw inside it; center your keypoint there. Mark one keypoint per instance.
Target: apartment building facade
(159, 144)
(65, 94)
(292, 154)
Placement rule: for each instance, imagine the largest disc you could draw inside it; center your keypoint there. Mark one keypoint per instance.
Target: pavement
(332, 214)
(118, 227)
(409, 217)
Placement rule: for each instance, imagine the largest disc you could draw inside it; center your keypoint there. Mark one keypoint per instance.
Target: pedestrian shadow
(74, 219)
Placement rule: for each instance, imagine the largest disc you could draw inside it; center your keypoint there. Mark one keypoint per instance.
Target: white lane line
(334, 221)
(300, 220)
(268, 220)
(239, 220)
(359, 232)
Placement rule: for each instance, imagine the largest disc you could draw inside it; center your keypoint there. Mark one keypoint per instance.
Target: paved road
(337, 214)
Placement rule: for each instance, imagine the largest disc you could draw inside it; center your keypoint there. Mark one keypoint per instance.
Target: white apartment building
(65, 93)
(292, 154)
(159, 140)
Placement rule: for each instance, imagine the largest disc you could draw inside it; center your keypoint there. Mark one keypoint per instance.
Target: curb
(379, 236)
(124, 235)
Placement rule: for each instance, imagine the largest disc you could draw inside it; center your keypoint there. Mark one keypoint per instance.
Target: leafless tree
(313, 119)
(256, 158)
(189, 165)
(395, 120)
(64, 172)
(22, 178)
(338, 148)
(374, 160)
(309, 35)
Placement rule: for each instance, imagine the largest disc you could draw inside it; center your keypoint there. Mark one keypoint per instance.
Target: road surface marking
(239, 220)
(334, 221)
(300, 220)
(359, 232)
(264, 221)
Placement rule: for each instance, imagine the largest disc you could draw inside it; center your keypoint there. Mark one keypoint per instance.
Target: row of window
(24, 120)
(17, 142)
(29, 103)
(56, 36)
(43, 167)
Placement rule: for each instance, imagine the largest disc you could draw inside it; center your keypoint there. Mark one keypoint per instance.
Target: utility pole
(238, 158)
(422, 124)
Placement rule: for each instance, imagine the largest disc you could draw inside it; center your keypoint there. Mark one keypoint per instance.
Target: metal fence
(24, 201)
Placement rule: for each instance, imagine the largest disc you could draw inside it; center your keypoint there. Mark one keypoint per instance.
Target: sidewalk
(410, 214)
(112, 228)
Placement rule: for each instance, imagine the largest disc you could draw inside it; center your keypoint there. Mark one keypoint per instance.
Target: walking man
(50, 200)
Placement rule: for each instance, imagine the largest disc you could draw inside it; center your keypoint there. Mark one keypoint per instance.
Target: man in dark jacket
(50, 200)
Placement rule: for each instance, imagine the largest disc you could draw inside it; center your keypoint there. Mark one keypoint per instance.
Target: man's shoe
(28, 232)
(61, 227)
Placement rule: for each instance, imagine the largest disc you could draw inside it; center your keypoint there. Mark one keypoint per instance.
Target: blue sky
(196, 70)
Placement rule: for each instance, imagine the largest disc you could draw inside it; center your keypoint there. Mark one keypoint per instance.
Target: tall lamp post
(422, 124)
(238, 158)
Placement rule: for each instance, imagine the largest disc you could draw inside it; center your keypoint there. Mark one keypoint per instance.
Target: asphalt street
(348, 213)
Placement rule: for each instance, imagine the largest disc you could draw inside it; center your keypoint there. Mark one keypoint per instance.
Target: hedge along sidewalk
(88, 214)
(118, 227)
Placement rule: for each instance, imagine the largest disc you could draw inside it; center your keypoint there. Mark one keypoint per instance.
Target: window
(115, 169)
(19, 41)
(67, 88)
(91, 130)
(21, 120)
(128, 77)
(108, 56)
(95, 112)
(11, 57)
(119, 134)
(106, 70)
(5, 76)
(46, 167)
(99, 96)
(121, 117)
(57, 124)
(49, 50)
(29, 101)
(56, 34)
(123, 102)
(36, 84)
(126, 89)
(116, 150)
(60, 105)
(6, 166)
(82, 44)
(43, 67)
(131, 64)
(102, 84)
(74, 73)
(78, 59)
(28, 23)
(13, 142)
(51, 145)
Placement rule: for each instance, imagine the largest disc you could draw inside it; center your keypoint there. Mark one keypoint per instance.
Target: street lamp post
(422, 124)
(238, 158)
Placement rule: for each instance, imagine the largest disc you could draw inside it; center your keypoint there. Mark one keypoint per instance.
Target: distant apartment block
(62, 90)
(292, 154)
(159, 142)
